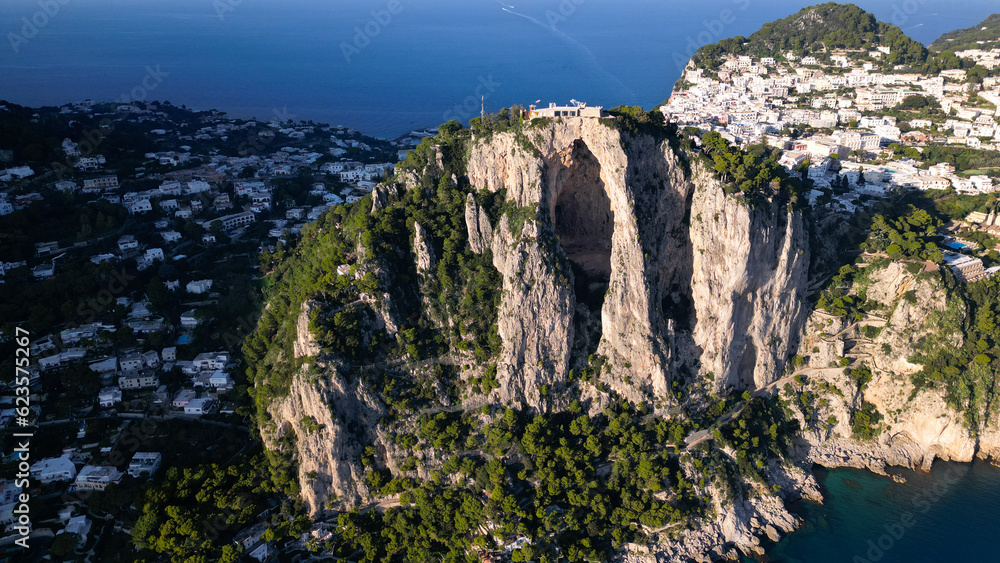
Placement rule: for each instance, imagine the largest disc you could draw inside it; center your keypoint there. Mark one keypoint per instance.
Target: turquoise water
(950, 514)
(430, 61)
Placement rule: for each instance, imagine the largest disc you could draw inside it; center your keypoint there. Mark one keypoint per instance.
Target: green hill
(987, 31)
(818, 29)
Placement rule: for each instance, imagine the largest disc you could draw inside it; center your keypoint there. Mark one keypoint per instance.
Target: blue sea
(949, 514)
(385, 66)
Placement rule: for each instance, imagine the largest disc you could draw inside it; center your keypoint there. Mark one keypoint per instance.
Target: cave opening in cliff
(581, 212)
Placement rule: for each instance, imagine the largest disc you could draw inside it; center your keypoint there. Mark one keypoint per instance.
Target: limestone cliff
(663, 236)
(330, 418)
(749, 283)
(914, 314)
(613, 249)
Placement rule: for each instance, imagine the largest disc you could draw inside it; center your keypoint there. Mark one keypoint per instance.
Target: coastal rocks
(922, 417)
(917, 425)
(738, 527)
(898, 451)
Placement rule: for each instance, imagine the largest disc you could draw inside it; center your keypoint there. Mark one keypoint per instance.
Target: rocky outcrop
(575, 181)
(478, 225)
(324, 412)
(622, 210)
(751, 268)
(305, 345)
(918, 426)
(423, 248)
(329, 418)
(739, 526)
(383, 195)
(535, 317)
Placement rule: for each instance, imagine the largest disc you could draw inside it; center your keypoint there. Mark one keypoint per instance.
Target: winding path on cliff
(697, 437)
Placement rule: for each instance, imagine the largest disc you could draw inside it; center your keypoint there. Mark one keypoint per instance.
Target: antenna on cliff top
(482, 109)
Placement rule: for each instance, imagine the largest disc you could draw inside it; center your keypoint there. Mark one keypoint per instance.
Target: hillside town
(178, 230)
(841, 110)
(837, 119)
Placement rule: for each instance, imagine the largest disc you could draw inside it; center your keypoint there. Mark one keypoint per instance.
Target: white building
(141, 206)
(131, 380)
(130, 362)
(210, 361)
(79, 525)
(182, 398)
(127, 242)
(105, 366)
(169, 354)
(171, 188)
(53, 469)
(91, 185)
(198, 287)
(199, 406)
(170, 236)
(96, 477)
(235, 221)
(196, 187)
(578, 110)
(189, 319)
(102, 258)
(151, 359)
(220, 380)
(144, 464)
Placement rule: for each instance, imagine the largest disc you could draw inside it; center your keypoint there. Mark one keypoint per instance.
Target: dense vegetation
(194, 513)
(59, 217)
(816, 29)
(754, 172)
(376, 245)
(573, 485)
(909, 235)
(988, 31)
(969, 372)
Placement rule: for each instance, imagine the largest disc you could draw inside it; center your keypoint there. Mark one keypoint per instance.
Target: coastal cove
(945, 515)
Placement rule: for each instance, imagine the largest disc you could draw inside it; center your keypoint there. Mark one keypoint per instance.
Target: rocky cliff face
(609, 245)
(918, 425)
(749, 283)
(693, 276)
(329, 418)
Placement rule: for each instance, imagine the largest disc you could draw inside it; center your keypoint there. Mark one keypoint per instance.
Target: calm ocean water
(950, 514)
(409, 64)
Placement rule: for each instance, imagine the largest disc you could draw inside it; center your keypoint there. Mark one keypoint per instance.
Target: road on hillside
(699, 436)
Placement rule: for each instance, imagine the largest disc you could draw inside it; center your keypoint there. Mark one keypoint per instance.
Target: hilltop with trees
(984, 35)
